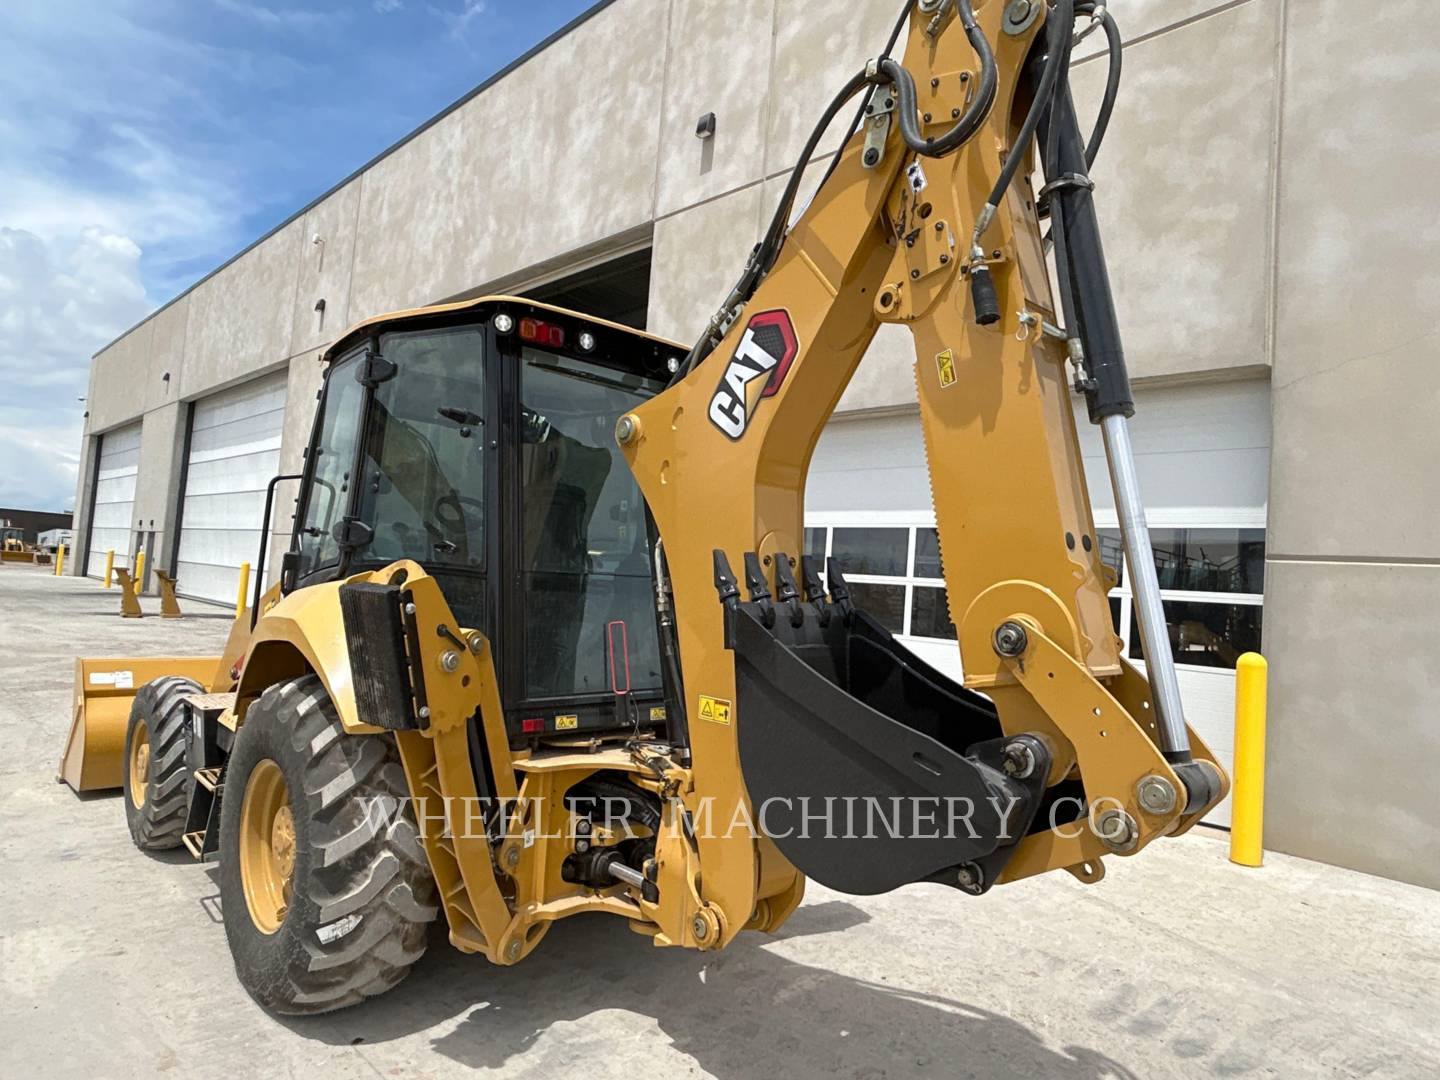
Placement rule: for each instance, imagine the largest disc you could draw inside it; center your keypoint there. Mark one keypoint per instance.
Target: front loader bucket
(94, 757)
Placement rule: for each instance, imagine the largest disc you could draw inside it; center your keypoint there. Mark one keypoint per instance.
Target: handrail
(264, 542)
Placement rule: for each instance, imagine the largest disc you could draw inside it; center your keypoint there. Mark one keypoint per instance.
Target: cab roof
(481, 306)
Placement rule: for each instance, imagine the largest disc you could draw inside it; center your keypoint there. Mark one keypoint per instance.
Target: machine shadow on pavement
(743, 1014)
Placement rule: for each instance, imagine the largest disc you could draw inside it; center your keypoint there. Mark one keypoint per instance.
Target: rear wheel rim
(139, 764)
(267, 846)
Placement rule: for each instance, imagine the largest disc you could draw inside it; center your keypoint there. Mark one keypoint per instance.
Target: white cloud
(61, 299)
(385, 7)
(457, 20)
(93, 171)
(278, 17)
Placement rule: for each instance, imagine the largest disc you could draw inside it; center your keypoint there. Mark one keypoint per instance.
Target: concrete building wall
(1265, 215)
(1355, 512)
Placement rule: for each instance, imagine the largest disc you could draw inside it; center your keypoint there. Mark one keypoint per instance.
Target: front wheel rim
(267, 846)
(139, 765)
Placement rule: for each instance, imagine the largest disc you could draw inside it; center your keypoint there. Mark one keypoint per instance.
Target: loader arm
(781, 704)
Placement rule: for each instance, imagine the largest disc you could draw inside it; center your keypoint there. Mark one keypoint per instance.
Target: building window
(1212, 584)
(876, 552)
(894, 574)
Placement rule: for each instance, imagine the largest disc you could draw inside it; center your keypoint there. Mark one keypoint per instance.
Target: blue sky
(144, 142)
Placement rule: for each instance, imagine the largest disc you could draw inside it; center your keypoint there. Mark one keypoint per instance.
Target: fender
(302, 633)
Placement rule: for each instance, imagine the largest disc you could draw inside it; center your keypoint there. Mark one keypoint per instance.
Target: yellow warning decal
(657, 713)
(567, 723)
(946, 363)
(714, 709)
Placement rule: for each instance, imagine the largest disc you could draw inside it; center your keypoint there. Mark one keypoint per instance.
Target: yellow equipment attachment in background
(104, 689)
(13, 549)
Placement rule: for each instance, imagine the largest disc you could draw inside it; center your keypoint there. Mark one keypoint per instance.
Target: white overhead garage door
(234, 454)
(1203, 455)
(114, 506)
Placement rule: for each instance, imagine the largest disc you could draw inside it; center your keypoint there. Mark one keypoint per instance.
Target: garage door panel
(113, 509)
(113, 515)
(216, 583)
(229, 474)
(241, 510)
(234, 453)
(869, 463)
(222, 547)
(229, 438)
(1186, 491)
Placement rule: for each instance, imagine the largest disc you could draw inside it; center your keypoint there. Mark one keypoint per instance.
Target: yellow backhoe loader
(13, 548)
(545, 641)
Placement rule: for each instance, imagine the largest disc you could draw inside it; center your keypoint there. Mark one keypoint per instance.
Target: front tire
(324, 885)
(157, 777)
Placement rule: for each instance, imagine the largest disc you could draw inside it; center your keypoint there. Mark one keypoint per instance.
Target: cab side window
(332, 459)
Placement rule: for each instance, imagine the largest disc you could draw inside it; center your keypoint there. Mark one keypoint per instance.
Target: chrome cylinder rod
(1145, 587)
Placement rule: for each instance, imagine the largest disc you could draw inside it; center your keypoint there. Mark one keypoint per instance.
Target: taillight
(542, 333)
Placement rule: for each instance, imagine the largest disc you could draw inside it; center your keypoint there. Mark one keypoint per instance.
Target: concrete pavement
(114, 963)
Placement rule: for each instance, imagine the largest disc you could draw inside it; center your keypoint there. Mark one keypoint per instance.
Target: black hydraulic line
(1077, 242)
(887, 71)
(984, 299)
(1062, 22)
(1112, 80)
(964, 129)
(763, 257)
(860, 113)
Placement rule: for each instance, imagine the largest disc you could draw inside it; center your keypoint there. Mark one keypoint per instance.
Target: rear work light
(542, 333)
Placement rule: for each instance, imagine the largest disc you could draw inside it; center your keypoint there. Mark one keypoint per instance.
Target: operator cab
(478, 439)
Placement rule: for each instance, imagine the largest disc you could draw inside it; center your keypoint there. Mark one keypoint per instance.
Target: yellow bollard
(60, 561)
(243, 590)
(1247, 800)
(109, 566)
(139, 575)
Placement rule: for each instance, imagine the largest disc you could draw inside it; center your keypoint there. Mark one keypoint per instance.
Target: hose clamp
(1067, 180)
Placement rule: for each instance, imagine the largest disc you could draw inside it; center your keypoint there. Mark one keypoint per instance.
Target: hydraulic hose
(887, 70)
(1112, 80)
(765, 253)
(1062, 19)
(968, 124)
(860, 113)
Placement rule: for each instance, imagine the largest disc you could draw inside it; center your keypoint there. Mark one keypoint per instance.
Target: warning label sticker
(657, 713)
(567, 723)
(714, 709)
(946, 363)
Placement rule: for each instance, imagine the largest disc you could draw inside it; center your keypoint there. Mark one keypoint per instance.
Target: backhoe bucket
(94, 756)
(868, 768)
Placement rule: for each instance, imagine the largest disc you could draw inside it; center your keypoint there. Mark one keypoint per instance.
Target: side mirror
(289, 571)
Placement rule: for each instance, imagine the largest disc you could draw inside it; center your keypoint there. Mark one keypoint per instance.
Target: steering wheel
(450, 513)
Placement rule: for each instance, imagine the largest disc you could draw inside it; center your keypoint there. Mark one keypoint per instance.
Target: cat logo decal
(756, 371)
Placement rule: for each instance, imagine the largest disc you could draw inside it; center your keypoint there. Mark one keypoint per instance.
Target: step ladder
(213, 725)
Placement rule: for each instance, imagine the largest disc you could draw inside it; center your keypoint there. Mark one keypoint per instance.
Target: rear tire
(359, 894)
(157, 778)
